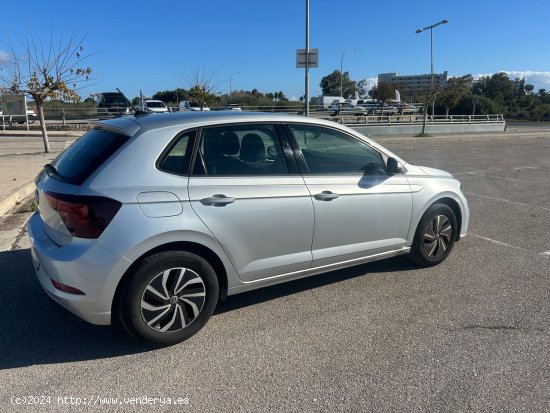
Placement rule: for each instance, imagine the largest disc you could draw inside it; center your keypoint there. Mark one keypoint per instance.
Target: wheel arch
(448, 198)
(188, 246)
(451, 203)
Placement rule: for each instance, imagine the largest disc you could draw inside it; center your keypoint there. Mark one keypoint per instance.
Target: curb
(15, 196)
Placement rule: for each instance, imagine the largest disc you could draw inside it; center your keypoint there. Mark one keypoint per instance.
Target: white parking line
(544, 254)
(505, 178)
(507, 201)
(68, 143)
(468, 173)
(494, 170)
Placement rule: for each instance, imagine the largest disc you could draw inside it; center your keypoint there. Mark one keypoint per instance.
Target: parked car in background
(151, 220)
(375, 107)
(403, 107)
(154, 106)
(232, 106)
(114, 103)
(187, 105)
(346, 108)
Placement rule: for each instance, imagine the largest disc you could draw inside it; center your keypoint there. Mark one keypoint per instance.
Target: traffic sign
(301, 58)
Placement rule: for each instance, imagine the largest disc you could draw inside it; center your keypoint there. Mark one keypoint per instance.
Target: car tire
(435, 236)
(169, 298)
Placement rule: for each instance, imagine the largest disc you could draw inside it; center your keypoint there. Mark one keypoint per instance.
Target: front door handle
(217, 200)
(326, 196)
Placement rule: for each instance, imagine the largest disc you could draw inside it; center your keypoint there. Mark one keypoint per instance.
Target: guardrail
(78, 118)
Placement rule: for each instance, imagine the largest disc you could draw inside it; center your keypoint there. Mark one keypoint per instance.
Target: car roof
(130, 124)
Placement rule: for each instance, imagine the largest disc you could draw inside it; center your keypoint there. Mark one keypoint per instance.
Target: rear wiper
(50, 170)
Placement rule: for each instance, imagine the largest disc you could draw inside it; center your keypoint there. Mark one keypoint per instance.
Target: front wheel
(169, 298)
(435, 236)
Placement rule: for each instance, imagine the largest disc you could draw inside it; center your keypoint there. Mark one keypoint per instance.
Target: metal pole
(432, 69)
(432, 57)
(341, 74)
(307, 60)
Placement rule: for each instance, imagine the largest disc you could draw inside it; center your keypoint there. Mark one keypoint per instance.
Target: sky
(157, 45)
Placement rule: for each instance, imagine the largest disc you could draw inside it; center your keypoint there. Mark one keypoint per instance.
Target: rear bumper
(89, 265)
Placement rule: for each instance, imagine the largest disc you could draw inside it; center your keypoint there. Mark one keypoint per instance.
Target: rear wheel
(435, 236)
(170, 297)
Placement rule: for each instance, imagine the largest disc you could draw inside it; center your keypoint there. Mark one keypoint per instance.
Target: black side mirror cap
(393, 166)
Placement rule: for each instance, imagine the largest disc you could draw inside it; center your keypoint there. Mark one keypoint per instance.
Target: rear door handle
(326, 196)
(217, 200)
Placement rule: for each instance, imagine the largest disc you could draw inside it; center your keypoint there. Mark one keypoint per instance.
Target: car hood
(424, 170)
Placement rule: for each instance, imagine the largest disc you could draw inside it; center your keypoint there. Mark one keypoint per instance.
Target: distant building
(413, 84)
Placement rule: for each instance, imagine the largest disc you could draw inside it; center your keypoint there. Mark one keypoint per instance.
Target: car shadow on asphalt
(36, 330)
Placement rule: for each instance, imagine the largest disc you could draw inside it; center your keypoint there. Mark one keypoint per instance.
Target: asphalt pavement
(470, 335)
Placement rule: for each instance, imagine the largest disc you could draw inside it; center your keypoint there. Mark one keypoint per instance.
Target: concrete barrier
(431, 128)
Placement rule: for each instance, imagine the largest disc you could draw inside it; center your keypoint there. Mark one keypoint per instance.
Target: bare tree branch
(52, 71)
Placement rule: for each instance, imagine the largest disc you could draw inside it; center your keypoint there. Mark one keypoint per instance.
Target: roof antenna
(137, 112)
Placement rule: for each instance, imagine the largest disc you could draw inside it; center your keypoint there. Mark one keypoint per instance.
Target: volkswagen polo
(153, 219)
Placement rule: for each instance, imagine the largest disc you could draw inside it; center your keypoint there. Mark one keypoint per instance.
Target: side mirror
(393, 166)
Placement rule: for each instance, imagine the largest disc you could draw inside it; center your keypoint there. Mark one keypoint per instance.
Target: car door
(359, 209)
(251, 196)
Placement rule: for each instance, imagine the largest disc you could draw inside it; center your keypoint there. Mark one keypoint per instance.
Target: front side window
(240, 150)
(328, 151)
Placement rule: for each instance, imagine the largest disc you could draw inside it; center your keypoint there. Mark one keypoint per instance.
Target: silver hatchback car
(153, 219)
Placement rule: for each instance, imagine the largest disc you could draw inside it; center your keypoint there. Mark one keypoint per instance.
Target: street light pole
(341, 69)
(306, 94)
(431, 27)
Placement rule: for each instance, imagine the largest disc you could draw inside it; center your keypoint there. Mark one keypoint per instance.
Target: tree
(51, 70)
(172, 96)
(383, 92)
(202, 86)
(453, 92)
(330, 85)
(499, 88)
(428, 96)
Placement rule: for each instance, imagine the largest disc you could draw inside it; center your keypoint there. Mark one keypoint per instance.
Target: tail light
(84, 216)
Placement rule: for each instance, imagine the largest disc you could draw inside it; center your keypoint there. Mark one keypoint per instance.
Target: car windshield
(155, 104)
(115, 100)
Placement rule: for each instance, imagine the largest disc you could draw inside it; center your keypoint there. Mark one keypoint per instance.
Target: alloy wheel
(172, 299)
(437, 236)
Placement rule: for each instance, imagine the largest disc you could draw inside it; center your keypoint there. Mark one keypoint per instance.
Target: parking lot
(471, 334)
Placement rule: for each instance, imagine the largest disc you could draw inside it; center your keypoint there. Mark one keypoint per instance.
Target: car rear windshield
(84, 156)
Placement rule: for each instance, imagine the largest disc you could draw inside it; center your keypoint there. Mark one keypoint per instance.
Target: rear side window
(249, 149)
(176, 159)
(84, 156)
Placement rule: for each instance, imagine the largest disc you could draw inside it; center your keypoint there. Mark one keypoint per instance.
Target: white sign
(301, 58)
